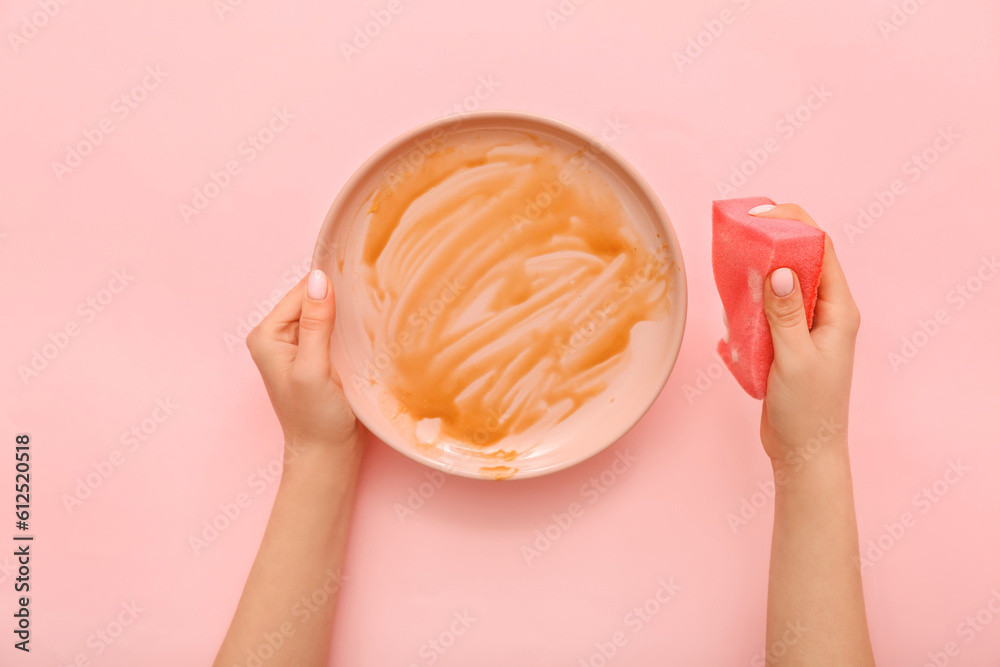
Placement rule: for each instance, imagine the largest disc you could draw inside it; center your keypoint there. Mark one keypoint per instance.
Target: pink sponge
(745, 250)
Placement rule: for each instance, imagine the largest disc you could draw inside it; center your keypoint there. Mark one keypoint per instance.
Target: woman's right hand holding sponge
(809, 384)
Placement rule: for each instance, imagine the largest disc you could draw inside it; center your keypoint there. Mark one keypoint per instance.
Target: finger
(835, 307)
(834, 304)
(279, 328)
(316, 324)
(287, 312)
(784, 212)
(786, 316)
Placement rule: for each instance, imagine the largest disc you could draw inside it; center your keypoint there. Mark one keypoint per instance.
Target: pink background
(168, 333)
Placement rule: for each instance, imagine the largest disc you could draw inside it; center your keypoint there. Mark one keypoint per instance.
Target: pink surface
(882, 124)
(746, 249)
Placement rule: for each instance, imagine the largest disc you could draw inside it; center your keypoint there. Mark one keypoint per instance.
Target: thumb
(316, 323)
(786, 314)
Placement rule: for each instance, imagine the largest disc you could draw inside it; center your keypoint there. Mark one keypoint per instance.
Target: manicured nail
(763, 208)
(317, 286)
(782, 282)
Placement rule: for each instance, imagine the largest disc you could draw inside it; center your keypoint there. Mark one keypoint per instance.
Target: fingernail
(782, 282)
(317, 286)
(763, 208)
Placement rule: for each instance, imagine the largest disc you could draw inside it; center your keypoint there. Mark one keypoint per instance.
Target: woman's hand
(809, 386)
(302, 552)
(291, 348)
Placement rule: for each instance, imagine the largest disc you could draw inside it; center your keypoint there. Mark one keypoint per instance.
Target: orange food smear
(498, 473)
(507, 278)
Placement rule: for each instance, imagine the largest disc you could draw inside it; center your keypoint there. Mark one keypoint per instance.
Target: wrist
(813, 468)
(322, 464)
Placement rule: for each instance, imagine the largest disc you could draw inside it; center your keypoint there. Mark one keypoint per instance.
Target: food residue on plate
(502, 278)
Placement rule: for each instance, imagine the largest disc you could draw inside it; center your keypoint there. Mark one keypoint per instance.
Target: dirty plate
(510, 294)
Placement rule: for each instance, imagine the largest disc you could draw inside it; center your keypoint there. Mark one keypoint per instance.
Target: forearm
(815, 608)
(292, 587)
